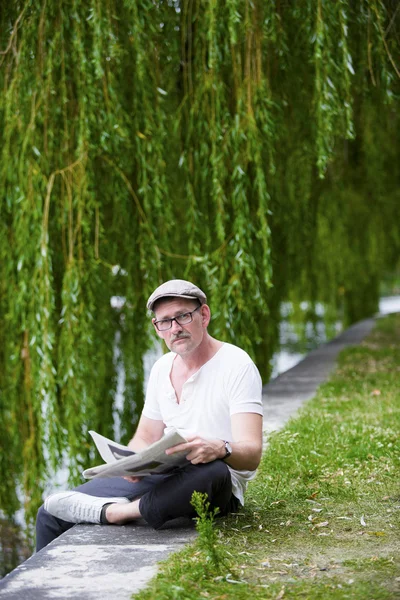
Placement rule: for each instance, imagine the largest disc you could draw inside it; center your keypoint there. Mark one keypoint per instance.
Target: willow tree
(248, 145)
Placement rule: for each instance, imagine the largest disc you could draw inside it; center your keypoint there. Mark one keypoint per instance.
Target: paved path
(284, 395)
(93, 562)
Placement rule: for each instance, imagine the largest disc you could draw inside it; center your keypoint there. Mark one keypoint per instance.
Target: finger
(179, 448)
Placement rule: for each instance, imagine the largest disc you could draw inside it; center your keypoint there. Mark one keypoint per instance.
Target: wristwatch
(228, 449)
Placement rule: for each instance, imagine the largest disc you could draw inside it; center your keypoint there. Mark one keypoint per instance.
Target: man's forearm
(137, 443)
(148, 432)
(245, 456)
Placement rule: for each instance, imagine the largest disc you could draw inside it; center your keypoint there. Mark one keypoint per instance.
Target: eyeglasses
(183, 319)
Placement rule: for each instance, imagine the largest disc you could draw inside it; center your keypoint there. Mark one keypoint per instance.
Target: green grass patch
(322, 517)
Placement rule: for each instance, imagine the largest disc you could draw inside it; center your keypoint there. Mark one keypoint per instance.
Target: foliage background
(249, 146)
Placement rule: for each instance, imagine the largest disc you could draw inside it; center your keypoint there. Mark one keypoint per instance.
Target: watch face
(228, 449)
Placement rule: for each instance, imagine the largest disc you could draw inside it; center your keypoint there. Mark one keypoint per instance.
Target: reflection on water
(295, 343)
(296, 340)
(14, 549)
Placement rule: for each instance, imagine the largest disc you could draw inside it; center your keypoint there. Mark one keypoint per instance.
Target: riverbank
(322, 517)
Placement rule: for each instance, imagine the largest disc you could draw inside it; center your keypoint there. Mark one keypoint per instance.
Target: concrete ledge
(109, 562)
(94, 562)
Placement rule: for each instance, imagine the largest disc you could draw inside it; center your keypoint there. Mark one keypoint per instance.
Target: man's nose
(175, 326)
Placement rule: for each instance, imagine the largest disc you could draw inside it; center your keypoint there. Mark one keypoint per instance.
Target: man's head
(181, 315)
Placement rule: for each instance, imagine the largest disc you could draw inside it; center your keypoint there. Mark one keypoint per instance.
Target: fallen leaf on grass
(363, 523)
(378, 533)
(229, 579)
(376, 393)
(313, 495)
(317, 510)
(281, 594)
(323, 524)
(278, 502)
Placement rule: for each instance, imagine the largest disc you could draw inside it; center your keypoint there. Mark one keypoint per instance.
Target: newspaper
(122, 461)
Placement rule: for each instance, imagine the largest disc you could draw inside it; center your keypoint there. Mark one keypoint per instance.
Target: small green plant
(205, 525)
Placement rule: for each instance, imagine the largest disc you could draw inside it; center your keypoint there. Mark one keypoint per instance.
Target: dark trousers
(162, 497)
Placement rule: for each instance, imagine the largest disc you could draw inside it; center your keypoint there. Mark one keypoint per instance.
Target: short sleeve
(151, 407)
(245, 390)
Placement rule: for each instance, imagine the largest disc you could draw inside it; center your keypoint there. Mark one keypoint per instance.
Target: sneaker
(76, 507)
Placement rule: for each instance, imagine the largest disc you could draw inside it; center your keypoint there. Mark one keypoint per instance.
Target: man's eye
(183, 315)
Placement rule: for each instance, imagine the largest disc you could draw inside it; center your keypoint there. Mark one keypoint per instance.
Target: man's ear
(205, 314)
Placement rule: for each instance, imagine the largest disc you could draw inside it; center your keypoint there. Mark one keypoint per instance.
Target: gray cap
(179, 288)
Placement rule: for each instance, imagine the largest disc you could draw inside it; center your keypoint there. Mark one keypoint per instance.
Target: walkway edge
(284, 395)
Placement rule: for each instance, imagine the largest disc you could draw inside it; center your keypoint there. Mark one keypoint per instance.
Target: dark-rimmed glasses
(183, 319)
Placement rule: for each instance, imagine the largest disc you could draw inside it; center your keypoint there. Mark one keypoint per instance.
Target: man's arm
(246, 444)
(148, 431)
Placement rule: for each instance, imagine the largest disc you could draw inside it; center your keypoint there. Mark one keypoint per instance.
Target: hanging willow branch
(249, 146)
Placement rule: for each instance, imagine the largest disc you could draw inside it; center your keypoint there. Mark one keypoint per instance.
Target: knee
(213, 477)
(218, 471)
(44, 520)
(41, 515)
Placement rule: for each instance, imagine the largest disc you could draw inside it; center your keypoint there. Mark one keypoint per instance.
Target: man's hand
(200, 450)
(132, 479)
(246, 444)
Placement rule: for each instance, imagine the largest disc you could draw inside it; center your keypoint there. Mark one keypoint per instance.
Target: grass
(322, 517)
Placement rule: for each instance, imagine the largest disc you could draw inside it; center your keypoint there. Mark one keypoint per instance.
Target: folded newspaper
(122, 461)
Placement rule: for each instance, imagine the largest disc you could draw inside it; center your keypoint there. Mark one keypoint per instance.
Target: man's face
(182, 339)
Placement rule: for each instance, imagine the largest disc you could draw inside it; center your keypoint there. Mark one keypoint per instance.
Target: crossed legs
(157, 498)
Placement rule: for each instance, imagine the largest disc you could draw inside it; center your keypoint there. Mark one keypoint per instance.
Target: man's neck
(193, 361)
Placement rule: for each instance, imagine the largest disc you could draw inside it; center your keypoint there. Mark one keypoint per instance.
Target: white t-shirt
(228, 384)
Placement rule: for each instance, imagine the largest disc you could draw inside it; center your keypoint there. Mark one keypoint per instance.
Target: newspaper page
(121, 461)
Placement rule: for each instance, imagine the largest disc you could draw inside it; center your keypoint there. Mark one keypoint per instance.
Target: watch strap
(228, 449)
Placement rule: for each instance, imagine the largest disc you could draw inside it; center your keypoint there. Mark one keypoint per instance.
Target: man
(211, 392)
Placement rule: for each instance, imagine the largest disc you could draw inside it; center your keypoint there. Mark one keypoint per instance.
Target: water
(389, 304)
(293, 349)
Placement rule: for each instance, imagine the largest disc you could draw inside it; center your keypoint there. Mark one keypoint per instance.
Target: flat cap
(179, 288)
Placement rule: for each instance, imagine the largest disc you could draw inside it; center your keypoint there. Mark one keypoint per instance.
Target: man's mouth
(179, 338)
